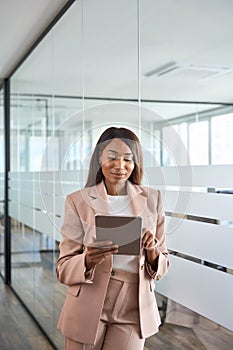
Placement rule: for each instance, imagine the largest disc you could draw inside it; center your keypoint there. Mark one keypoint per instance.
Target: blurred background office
(164, 68)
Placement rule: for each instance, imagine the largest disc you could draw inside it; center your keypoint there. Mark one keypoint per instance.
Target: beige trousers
(119, 323)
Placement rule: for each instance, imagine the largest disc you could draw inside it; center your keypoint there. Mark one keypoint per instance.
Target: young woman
(110, 302)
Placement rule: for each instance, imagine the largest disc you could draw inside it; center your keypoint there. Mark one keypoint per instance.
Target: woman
(110, 301)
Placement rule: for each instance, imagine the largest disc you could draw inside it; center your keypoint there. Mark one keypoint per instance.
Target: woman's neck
(116, 190)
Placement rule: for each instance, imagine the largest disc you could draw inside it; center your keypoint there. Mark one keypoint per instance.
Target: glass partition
(64, 95)
(2, 178)
(102, 64)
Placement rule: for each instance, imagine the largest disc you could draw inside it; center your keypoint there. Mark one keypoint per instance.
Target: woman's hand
(149, 244)
(149, 241)
(97, 252)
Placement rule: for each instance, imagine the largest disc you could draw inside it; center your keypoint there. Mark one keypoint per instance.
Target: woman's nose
(119, 162)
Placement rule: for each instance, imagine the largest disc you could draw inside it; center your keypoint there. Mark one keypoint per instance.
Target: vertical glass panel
(182, 65)
(110, 49)
(175, 64)
(199, 143)
(45, 104)
(109, 57)
(2, 178)
(168, 154)
(221, 139)
(175, 145)
(66, 93)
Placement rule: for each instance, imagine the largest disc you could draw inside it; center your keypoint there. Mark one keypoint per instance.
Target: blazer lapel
(98, 199)
(138, 200)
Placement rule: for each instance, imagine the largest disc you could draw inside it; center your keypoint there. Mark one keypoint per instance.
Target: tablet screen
(124, 231)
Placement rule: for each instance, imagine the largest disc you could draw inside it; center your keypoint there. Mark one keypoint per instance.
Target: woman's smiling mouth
(118, 174)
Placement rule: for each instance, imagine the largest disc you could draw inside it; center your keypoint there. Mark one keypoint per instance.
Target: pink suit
(86, 293)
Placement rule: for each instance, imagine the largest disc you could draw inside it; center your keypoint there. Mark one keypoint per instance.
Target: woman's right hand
(97, 252)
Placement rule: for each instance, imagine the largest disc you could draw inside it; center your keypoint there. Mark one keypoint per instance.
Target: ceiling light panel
(188, 71)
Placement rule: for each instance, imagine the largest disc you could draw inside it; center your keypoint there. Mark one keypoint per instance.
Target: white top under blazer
(119, 205)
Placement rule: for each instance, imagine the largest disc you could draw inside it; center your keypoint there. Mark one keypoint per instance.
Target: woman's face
(117, 162)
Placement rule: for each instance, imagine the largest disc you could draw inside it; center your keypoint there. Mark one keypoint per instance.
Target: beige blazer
(86, 292)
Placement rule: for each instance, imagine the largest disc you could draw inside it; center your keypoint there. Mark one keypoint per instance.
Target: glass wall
(221, 139)
(58, 110)
(101, 65)
(2, 177)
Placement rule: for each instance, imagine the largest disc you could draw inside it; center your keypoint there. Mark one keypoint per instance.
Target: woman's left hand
(148, 241)
(149, 244)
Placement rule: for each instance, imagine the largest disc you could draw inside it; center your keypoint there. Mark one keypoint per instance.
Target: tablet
(125, 231)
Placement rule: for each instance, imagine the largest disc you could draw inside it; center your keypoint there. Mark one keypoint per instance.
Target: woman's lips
(118, 174)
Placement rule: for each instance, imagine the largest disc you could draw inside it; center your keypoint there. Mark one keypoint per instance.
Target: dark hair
(95, 174)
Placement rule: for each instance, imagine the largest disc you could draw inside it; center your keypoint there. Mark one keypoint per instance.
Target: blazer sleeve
(70, 266)
(160, 237)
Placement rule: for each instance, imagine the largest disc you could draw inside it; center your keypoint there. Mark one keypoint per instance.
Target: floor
(17, 329)
(187, 330)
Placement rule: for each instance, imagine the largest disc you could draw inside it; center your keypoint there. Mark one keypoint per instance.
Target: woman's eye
(126, 159)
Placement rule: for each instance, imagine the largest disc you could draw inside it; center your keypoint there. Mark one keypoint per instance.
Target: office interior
(162, 68)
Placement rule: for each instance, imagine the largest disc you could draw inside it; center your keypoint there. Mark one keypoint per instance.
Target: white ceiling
(21, 23)
(100, 58)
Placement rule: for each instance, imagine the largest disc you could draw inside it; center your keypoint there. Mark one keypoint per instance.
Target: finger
(108, 248)
(148, 240)
(147, 236)
(94, 260)
(150, 245)
(102, 253)
(99, 244)
(101, 250)
(96, 256)
(97, 259)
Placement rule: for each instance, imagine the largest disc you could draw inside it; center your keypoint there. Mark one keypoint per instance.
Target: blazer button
(142, 267)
